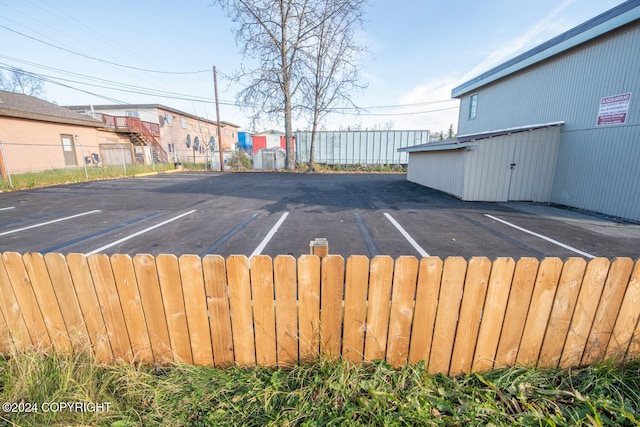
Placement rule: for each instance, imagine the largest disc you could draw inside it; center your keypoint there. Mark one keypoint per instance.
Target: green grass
(30, 180)
(321, 393)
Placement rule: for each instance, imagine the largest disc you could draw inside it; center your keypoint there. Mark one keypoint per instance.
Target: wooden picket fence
(459, 316)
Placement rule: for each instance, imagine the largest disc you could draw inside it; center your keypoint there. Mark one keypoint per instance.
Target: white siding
(440, 170)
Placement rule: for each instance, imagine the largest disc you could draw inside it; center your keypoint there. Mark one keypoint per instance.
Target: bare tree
(273, 32)
(330, 63)
(20, 81)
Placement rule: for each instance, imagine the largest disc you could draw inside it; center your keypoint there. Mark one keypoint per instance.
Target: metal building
(588, 79)
(359, 147)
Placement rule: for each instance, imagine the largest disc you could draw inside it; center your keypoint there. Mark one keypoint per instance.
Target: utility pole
(215, 87)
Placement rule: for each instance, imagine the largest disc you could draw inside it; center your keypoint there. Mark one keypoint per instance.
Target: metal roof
(463, 141)
(606, 22)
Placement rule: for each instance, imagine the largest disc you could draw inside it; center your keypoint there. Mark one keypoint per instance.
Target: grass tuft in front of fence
(456, 316)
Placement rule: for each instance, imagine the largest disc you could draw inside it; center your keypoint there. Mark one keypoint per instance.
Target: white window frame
(473, 106)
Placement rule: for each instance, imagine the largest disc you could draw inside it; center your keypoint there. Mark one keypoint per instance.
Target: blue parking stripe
(224, 239)
(97, 233)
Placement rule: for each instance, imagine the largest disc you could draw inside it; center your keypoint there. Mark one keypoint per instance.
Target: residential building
(36, 135)
(179, 136)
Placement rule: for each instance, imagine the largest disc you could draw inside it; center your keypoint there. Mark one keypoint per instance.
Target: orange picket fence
(458, 316)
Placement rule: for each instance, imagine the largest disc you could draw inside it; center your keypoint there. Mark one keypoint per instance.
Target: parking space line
(366, 236)
(97, 233)
(269, 235)
(42, 224)
(543, 237)
(6, 209)
(124, 239)
(224, 239)
(407, 236)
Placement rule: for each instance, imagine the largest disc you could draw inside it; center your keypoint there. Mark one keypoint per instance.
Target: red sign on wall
(613, 109)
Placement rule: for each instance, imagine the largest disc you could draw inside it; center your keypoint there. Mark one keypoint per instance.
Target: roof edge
(610, 20)
(462, 141)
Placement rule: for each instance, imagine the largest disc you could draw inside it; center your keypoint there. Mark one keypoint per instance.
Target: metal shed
(589, 78)
(510, 164)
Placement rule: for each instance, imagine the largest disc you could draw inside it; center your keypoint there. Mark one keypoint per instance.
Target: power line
(99, 59)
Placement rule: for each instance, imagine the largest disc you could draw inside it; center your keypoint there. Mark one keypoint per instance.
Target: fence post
(84, 161)
(124, 161)
(4, 169)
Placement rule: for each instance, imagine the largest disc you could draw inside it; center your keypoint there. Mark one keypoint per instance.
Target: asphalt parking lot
(280, 213)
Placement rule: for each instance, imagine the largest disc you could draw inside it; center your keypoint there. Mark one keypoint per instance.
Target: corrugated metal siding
(597, 167)
(599, 170)
(359, 147)
(488, 172)
(566, 88)
(440, 170)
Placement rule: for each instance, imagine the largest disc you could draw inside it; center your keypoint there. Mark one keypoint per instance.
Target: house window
(473, 106)
(132, 113)
(168, 118)
(183, 122)
(170, 147)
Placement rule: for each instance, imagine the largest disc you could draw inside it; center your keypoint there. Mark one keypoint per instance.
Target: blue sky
(418, 51)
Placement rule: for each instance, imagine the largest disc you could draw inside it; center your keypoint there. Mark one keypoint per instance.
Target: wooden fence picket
(379, 306)
(109, 300)
(241, 312)
(424, 317)
(90, 307)
(453, 274)
(309, 306)
(456, 316)
(515, 316)
(626, 334)
(561, 312)
(16, 334)
(62, 284)
(195, 303)
(215, 283)
(153, 307)
(355, 307)
(284, 278)
(331, 310)
(401, 314)
(473, 296)
(47, 302)
(127, 285)
(264, 317)
(174, 308)
(608, 309)
(493, 313)
(584, 311)
(544, 292)
(27, 301)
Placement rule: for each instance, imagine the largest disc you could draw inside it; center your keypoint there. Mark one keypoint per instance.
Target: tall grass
(319, 393)
(71, 175)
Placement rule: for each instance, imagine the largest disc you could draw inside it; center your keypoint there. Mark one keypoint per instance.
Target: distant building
(179, 136)
(37, 135)
(559, 123)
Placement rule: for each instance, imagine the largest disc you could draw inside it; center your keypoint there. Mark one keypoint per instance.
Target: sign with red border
(613, 109)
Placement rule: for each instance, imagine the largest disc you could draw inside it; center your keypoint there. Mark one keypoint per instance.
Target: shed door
(69, 150)
(529, 168)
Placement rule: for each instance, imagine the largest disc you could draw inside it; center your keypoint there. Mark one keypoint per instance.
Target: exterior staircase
(145, 138)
